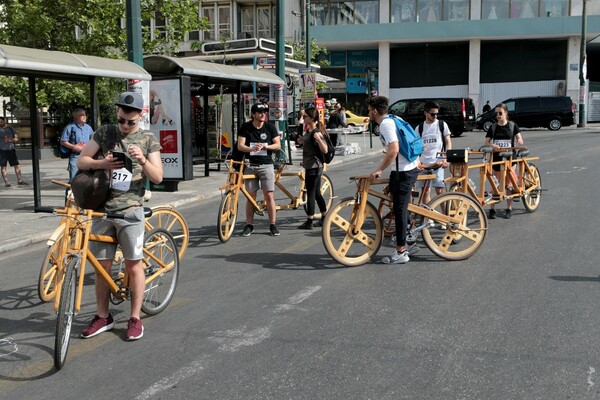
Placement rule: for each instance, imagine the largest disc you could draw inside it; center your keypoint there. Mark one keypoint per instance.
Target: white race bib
(503, 143)
(121, 179)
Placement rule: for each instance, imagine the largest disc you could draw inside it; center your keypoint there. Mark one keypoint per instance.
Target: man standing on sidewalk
(74, 137)
(8, 138)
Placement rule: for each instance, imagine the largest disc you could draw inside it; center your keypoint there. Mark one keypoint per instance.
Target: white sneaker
(412, 248)
(396, 258)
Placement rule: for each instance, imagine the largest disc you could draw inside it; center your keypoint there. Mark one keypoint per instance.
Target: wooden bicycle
(228, 208)
(165, 216)
(353, 229)
(525, 184)
(161, 268)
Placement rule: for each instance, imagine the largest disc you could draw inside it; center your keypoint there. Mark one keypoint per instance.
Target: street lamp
(582, 94)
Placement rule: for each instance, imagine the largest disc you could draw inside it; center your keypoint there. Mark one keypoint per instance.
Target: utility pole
(133, 28)
(307, 16)
(582, 61)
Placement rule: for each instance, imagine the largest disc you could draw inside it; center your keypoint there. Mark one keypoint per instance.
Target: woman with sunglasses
(139, 159)
(503, 134)
(313, 142)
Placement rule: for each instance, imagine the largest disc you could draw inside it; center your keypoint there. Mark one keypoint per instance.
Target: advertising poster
(320, 106)
(277, 102)
(308, 84)
(165, 123)
(143, 88)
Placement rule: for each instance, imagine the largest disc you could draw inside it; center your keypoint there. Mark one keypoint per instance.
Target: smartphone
(125, 158)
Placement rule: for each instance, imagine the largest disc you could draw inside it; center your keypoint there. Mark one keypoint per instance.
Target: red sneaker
(135, 329)
(97, 326)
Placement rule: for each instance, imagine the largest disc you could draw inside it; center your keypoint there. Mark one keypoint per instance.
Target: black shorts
(10, 156)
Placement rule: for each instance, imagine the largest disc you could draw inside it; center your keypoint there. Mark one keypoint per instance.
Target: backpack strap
(420, 129)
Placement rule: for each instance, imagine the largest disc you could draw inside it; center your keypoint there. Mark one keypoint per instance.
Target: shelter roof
(24, 61)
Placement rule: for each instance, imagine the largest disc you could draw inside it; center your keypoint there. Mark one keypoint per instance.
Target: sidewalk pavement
(23, 227)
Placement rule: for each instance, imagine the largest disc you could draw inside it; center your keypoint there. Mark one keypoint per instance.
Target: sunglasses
(433, 114)
(130, 122)
(499, 113)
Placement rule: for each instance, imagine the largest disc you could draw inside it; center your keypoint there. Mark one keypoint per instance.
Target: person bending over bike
(127, 190)
(402, 177)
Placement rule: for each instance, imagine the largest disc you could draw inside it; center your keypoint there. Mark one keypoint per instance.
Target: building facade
(483, 49)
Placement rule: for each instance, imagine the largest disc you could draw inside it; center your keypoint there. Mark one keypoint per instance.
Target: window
(524, 9)
(247, 23)
(339, 12)
(554, 8)
(429, 10)
(494, 9)
(263, 28)
(529, 104)
(403, 10)
(209, 14)
(160, 22)
(510, 105)
(224, 22)
(456, 10)
(398, 107)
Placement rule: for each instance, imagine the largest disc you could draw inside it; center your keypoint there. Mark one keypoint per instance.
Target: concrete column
(384, 69)
(475, 73)
(572, 83)
(384, 12)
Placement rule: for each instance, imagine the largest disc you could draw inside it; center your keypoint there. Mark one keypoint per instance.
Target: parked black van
(552, 112)
(459, 113)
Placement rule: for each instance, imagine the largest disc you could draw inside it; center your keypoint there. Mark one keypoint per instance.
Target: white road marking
(230, 341)
(590, 382)
(575, 169)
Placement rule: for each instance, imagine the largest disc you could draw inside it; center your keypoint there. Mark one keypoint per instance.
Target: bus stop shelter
(206, 79)
(44, 64)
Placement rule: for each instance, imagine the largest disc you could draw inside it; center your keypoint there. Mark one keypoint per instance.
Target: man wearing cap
(259, 139)
(127, 189)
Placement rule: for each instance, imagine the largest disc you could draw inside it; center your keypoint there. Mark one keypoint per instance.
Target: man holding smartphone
(132, 157)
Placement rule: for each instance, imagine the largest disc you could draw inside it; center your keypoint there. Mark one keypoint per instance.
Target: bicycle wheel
(344, 243)
(66, 311)
(459, 240)
(161, 268)
(533, 186)
(326, 191)
(227, 216)
(49, 277)
(170, 219)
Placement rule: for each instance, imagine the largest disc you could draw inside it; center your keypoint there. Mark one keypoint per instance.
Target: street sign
(267, 61)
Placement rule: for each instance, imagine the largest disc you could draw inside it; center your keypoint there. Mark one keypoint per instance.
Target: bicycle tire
(227, 216)
(159, 244)
(460, 241)
(169, 218)
(351, 248)
(66, 312)
(49, 278)
(533, 186)
(327, 192)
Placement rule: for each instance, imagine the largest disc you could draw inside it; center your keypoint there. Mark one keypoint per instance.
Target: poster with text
(165, 123)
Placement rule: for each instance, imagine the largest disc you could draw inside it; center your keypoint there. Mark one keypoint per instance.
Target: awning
(219, 73)
(23, 61)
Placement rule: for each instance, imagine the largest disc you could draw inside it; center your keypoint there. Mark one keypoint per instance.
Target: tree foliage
(91, 27)
(318, 53)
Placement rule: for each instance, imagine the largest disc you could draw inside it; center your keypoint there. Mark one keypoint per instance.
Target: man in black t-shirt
(259, 139)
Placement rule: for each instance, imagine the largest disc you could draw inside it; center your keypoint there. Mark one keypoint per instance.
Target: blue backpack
(411, 144)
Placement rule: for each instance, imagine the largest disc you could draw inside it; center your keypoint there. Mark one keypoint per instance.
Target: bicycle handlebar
(62, 211)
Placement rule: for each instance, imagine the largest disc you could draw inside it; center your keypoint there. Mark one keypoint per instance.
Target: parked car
(552, 112)
(459, 113)
(356, 120)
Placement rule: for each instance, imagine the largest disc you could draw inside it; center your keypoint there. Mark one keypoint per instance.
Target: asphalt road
(276, 318)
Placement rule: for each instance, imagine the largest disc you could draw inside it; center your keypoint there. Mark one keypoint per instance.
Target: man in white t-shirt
(402, 177)
(436, 138)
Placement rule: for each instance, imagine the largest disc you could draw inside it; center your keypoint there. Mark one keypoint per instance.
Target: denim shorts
(438, 182)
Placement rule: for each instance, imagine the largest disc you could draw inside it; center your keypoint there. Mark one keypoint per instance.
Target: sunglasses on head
(130, 122)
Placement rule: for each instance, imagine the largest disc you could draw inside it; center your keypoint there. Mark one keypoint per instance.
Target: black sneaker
(508, 213)
(308, 224)
(248, 229)
(274, 230)
(492, 214)
(22, 183)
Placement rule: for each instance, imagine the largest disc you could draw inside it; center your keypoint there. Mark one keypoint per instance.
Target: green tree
(318, 52)
(91, 27)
